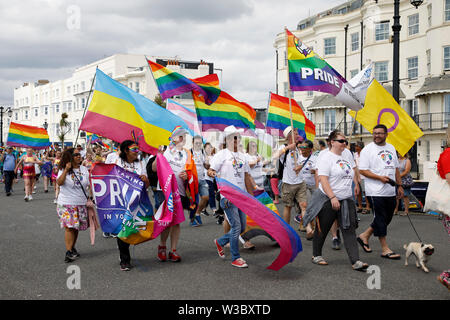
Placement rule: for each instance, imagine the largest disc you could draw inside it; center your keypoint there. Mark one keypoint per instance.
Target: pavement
(32, 263)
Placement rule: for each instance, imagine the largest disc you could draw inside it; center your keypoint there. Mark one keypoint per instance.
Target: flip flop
(365, 246)
(390, 256)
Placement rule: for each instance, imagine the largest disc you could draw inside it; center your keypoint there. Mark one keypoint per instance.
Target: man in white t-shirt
(232, 165)
(200, 158)
(379, 164)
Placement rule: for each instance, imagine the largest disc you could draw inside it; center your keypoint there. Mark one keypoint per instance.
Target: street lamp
(9, 113)
(45, 125)
(416, 3)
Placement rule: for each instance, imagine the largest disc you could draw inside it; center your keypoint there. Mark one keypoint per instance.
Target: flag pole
(289, 92)
(87, 102)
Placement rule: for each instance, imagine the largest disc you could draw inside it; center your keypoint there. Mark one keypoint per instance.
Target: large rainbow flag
(309, 72)
(118, 113)
(226, 111)
(273, 224)
(21, 135)
(278, 117)
(171, 83)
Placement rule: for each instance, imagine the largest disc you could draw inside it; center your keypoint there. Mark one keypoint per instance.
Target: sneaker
(125, 266)
(194, 224)
(240, 263)
(298, 218)
(162, 254)
(45, 191)
(74, 253)
(69, 257)
(198, 219)
(8, 194)
(220, 219)
(30, 198)
(174, 257)
(25, 198)
(360, 266)
(54, 201)
(219, 249)
(106, 235)
(205, 213)
(336, 244)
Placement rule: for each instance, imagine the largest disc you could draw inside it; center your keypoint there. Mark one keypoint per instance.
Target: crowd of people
(322, 186)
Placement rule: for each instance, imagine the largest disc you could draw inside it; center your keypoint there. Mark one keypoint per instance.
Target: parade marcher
(407, 182)
(56, 161)
(232, 165)
(179, 160)
(28, 162)
(379, 165)
(88, 161)
(333, 201)
(210, 151)
(129, 161)
(73, 180)
(9, 165)
(46, 170)
(200, 158)
(358, 148)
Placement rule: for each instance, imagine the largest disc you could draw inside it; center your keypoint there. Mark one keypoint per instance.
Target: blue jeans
(212, 195)
(237, 220)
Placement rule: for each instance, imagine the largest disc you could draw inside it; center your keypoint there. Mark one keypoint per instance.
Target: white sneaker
(30, 198)
(25, 198)
(54, 201)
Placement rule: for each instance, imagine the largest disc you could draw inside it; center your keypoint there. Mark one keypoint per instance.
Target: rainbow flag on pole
(171, 83)
(118, 113)
(21, 135)
(226, 111)
(309, 72)
(278, 117)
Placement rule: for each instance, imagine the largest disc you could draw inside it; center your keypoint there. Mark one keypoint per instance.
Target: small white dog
(422, 253)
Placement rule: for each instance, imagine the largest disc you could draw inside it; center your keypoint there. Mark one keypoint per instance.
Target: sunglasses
(341, 141)
(135, 149)
(76, 154)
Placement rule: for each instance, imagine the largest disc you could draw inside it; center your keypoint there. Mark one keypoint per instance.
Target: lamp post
(396, 39)
(9, 112)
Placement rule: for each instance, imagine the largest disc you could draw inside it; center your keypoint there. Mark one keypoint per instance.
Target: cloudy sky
(48, 39)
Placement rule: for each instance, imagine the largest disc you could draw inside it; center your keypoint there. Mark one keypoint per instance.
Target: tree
(159, 101)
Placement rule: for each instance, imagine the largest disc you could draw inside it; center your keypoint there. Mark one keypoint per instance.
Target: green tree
(159, 101)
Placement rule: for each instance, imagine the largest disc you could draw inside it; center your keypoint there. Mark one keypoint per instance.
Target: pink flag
(170, 211)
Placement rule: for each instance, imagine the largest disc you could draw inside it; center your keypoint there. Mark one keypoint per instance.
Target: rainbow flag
(226, 111)
(185, 113)
(272, 223)
(278, 117)
(21, 135)
(171, 83)
(309, 72)
(118, 113)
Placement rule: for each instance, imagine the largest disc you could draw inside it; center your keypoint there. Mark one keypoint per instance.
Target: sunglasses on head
(341, 141)
(134, 149)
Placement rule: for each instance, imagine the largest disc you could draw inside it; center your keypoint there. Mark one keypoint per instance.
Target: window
(413, 68)
(413, 107)
(136, 86)
(57, 108)
(446, 110)
(429, 10)
(82, 103)
(309, 94)
(330, 120)
(447, 58)
(329, 46)
(447, 10)
(381, 71)
(381, 30)
(16, 116)
(413, 24)
(429, 61)
(25, 114)
(36, 112)
(285, 58)
(428, 149)
(285, 88)
(130, 85)
(353, 73)
(46, 110)
(68, 90)
(355, 41)
(69, 107)
(83, 86)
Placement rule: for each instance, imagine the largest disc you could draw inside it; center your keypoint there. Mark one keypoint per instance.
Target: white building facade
(358, 32)
(43, 102)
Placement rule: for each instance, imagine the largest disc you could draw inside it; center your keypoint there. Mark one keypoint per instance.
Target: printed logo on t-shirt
(386, 156)
(345, 166)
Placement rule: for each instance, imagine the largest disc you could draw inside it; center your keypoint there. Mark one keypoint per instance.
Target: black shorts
(383, 211)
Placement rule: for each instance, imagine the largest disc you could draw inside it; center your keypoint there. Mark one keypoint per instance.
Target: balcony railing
(425, 121)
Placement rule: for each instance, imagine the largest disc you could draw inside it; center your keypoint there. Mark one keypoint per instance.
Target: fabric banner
(273, 224)
(123, 205)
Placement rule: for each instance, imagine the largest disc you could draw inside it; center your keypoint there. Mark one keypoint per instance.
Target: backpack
(152, 176)
(281, 166)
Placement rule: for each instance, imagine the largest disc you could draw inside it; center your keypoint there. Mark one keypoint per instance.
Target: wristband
(332, 197)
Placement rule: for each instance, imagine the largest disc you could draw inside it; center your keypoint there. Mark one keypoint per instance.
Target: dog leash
(412, 225)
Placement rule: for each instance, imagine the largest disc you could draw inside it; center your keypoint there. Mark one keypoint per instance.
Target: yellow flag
(381, 108)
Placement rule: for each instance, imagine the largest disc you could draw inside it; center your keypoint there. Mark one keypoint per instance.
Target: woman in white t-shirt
(255, 161)
(336, 174)
(73, 182)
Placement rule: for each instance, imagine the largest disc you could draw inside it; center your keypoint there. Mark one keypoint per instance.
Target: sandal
(390, 256)
(319, 260)
(365, 211)
(360, 266)
(249, 246)
(365, 246)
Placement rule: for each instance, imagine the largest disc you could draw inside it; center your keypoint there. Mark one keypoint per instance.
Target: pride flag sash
(21, 135)
(273, 224)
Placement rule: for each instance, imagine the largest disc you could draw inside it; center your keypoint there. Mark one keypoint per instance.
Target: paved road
(32, 264)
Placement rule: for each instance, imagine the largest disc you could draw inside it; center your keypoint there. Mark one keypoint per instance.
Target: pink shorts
(274, 185)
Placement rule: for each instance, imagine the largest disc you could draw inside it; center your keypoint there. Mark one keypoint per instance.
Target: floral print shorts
(75, 217)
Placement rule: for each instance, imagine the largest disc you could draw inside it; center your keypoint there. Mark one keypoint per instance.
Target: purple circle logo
(391, 111)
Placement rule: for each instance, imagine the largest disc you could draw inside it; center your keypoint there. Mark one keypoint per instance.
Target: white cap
(287, 131)
(230, 130)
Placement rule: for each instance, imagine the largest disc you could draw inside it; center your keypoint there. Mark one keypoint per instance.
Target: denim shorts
(203, 188)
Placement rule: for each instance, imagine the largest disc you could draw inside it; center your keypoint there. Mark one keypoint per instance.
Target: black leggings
(327, 216)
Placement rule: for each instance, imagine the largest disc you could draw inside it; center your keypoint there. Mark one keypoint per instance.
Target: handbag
(407, 181)
(438, 196)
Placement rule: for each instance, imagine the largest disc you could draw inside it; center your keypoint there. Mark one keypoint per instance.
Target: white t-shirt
(112, 158)
(70, 193)
(177, 160)
(231, 166)
(207, 161)
(347, 154)
(308, 177)
(380, 160)
(256, 172)
(199, 159)
(289, 175)
(339, 172)
(137, 167)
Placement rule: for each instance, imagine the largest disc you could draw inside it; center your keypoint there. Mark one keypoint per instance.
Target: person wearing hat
(179, 160)
(232, 165)
(293, 186)
(9, 164)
